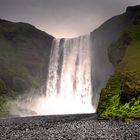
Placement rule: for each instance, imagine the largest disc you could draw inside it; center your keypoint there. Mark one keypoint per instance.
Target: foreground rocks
(69, 127)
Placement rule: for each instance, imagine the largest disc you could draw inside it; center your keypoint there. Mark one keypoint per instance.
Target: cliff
(102, 38)
(24, 58)
(121, 96)
(24, 61)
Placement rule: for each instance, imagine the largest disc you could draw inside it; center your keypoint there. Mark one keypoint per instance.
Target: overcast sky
(63, 18)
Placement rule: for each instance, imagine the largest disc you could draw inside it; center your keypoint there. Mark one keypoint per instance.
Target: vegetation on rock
(24, 58)
(121, 97)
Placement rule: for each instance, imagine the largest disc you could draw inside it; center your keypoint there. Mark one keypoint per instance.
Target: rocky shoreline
(68, 127)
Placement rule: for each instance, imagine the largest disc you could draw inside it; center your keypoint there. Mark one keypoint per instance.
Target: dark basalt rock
(133, 8)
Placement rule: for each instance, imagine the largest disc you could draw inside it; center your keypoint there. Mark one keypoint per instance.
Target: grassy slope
(15, 76)
(8, 59)
(121, 97)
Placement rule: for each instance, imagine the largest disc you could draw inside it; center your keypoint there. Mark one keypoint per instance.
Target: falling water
(68, 87)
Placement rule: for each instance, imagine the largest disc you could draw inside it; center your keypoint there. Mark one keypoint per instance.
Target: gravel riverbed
(68, 127)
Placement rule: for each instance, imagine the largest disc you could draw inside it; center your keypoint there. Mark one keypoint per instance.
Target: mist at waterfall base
(68, 88)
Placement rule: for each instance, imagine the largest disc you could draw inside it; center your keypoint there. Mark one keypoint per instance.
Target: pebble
(69, 127)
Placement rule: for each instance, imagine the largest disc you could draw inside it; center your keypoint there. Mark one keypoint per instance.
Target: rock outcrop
(24, 58)
(102, 39)
(121, 96)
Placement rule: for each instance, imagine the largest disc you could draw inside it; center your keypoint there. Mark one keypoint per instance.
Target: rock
(76, 127)
(24, 56)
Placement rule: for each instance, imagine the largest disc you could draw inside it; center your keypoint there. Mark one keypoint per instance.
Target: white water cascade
(68, 89)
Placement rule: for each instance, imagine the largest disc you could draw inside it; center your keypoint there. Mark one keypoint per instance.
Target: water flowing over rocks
(68, 89)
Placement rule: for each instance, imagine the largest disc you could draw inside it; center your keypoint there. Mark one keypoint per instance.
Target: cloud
(63, 18)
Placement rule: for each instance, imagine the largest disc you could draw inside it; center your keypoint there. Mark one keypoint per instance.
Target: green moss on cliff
(121, 97)
(4, 101)
(117, 50)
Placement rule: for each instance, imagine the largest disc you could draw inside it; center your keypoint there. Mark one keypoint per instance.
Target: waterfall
(78, 69)
(68, 88)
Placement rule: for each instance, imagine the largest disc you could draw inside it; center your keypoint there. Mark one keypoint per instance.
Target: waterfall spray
(68, 89)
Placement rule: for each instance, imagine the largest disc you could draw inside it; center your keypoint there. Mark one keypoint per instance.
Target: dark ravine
(25, 51)
(24, 58)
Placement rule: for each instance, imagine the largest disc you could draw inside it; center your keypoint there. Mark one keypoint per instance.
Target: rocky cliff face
(121, 96)
(102, 38)
(24, 58)
(25, 50)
